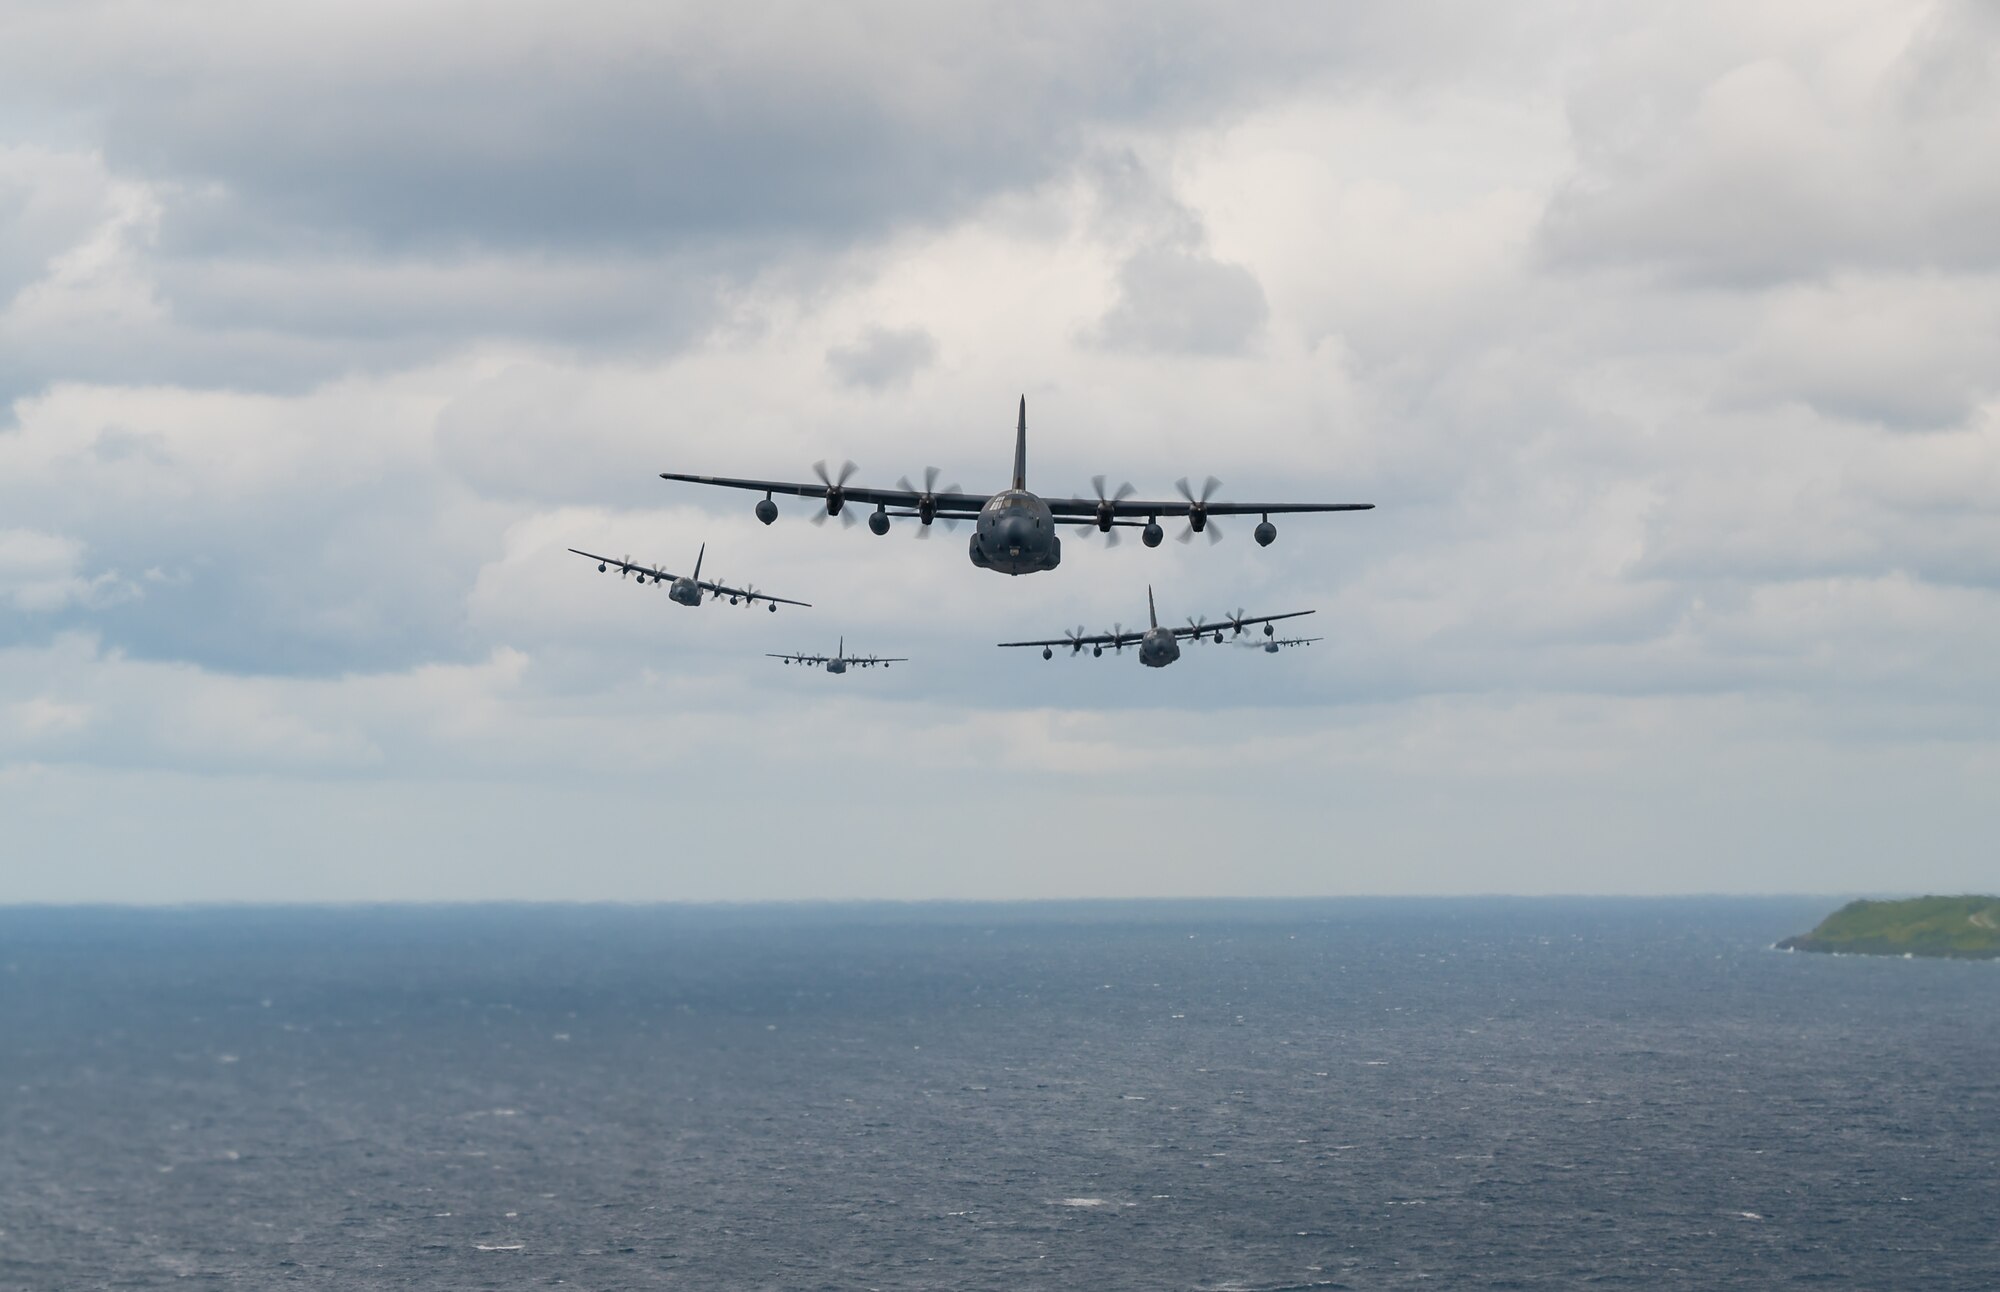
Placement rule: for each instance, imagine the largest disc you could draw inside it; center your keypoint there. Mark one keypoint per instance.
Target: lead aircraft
(1159, 647)
(686, 589)
(840, 659)
(1014, 531)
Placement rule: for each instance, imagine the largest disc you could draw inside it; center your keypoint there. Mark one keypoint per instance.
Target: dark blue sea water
(1364, 1094)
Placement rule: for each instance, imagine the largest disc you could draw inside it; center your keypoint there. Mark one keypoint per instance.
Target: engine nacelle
(1266, 534)
(878, 522)
(1152, 535)
(767, 511)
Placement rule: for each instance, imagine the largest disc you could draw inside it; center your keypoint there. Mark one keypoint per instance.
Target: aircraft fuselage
(1159, 648)
(1015, 534)
(685, 591)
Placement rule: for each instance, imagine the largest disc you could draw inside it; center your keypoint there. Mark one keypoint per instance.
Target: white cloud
(40, 572)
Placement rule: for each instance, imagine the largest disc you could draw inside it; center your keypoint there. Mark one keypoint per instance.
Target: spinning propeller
(836, 495)
(1198, 522)
(1106, 507)
(927, 501)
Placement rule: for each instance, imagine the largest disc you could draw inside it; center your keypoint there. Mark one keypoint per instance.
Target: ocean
(1496, 1093)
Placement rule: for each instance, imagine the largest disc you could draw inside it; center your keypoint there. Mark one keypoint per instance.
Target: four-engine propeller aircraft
(840, 661)
(687, 588)
(1158, 647)
(1014, 530)
(1270, 645)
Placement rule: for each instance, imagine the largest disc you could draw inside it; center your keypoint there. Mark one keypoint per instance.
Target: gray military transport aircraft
(1158, 647)
(840, 660)
(688, 588)
(1014, 530)
(1270, 645)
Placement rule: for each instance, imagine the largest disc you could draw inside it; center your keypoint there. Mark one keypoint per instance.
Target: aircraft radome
(840, 661)
(1159, 647)
(1014, 530)
(687, 589)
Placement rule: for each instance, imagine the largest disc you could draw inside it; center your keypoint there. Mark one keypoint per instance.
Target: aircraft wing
(1141, 510)
(866, 660)
(750, 594)
(797, 659)
(1203, 630)
(629, 567)
(944, 502)
(1091, 639)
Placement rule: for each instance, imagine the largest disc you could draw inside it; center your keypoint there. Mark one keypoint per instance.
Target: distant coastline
(1965, 927)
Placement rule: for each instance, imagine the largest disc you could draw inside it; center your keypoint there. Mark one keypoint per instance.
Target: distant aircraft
(687, 588)
(840, 660)
(1158, 647)
(1270, 645)
(1015, 531)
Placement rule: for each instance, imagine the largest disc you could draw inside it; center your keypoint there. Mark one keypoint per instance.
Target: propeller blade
(1111, 538)
(1208, 487)
(1214, 533)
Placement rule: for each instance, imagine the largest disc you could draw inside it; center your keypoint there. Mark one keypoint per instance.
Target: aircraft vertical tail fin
(1021, 447)
(840, 651)
(1151, 613)
(697, 562)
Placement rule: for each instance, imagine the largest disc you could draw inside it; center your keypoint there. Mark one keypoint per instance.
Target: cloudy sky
(1666, 339)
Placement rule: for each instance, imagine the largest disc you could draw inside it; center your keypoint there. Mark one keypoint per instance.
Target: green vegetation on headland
(1964, 928)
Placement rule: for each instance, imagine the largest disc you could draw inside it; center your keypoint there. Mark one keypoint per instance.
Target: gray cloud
(1750, 164)
(883, 357)
(1179, 302)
